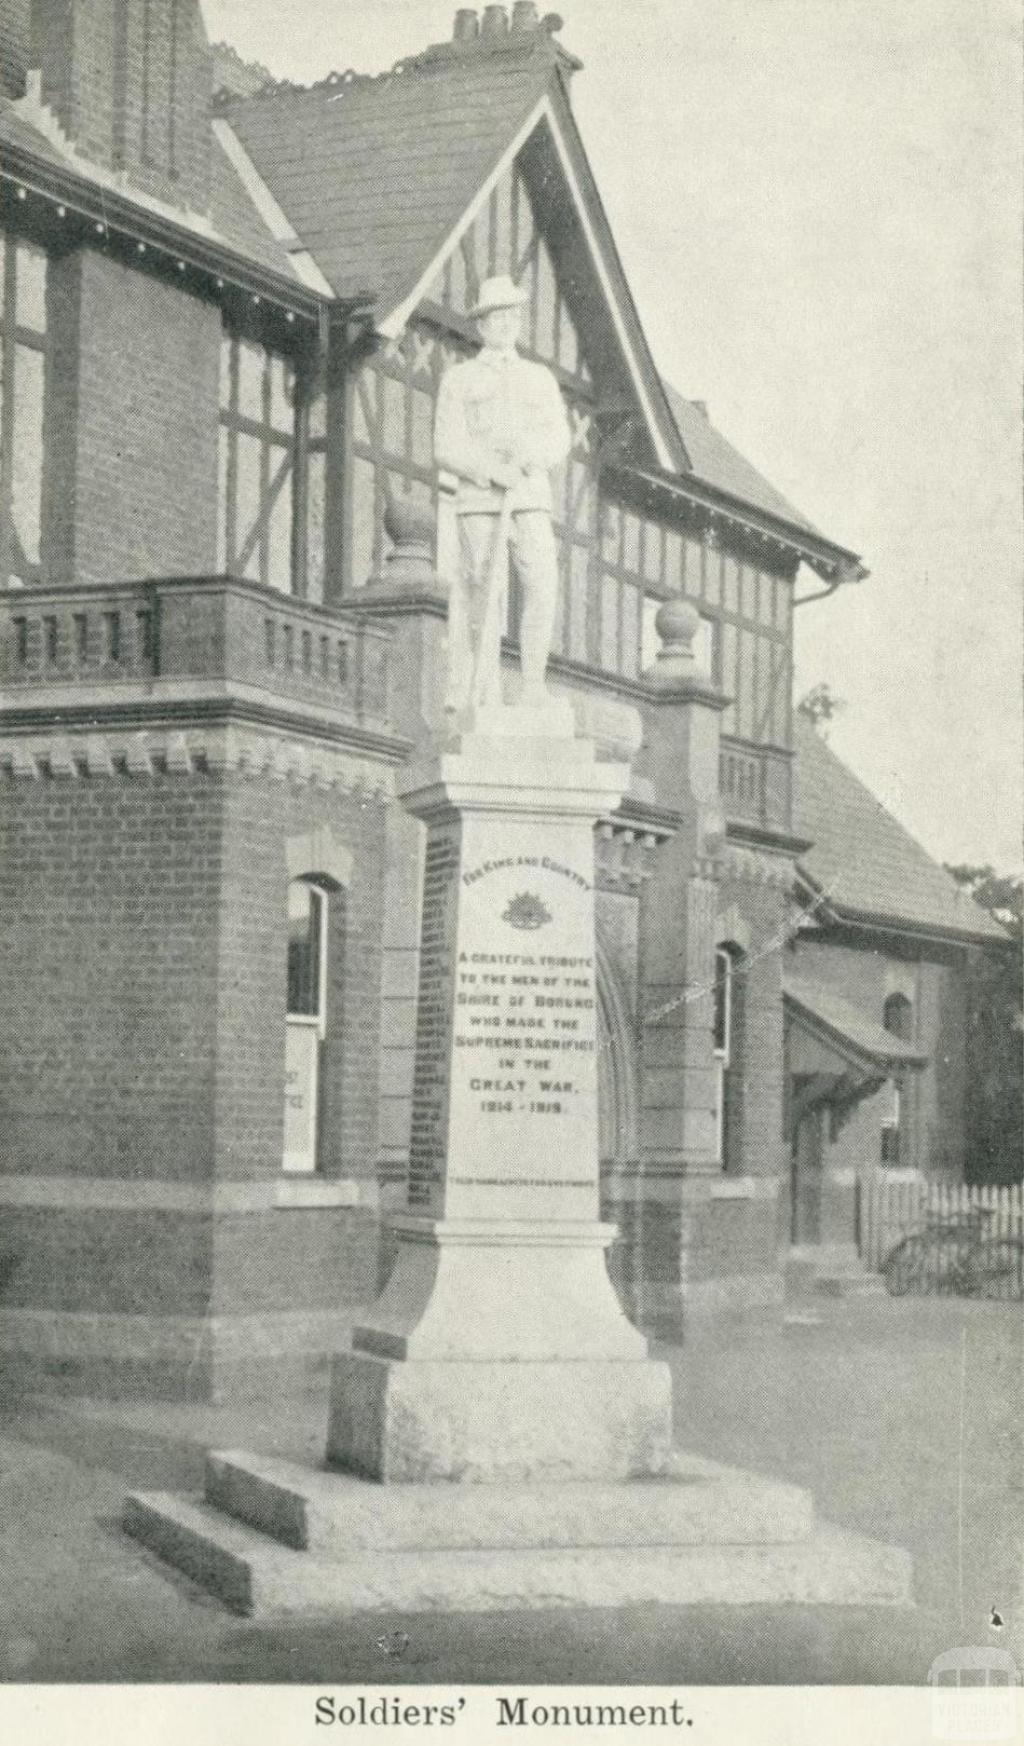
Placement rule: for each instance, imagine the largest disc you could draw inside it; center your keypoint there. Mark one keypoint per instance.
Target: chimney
(130, 83)
(467, 25)
(495, 23)
(524, 17)
(15, 33)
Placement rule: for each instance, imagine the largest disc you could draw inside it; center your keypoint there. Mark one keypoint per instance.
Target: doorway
(806, 1177)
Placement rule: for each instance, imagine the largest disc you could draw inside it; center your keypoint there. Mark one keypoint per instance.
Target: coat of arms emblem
(526, 911)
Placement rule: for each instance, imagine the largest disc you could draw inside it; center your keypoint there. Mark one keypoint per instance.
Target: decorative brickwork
(129, 85)
(15, 37)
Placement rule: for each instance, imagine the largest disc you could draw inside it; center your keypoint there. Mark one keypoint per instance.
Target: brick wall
(941, 1094)
(142, 1056)
(73, 43)
(756, 1140)
(108, 962)
(15, 34)
(131, 476)
(259, 819)
(131, 84)
(855, 973)
(933, 1116)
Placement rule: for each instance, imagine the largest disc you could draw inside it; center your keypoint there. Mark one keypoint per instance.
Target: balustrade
(193, 629)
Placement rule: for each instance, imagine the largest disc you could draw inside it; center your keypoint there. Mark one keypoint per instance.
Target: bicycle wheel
(1000, 1268)
(905, 1267)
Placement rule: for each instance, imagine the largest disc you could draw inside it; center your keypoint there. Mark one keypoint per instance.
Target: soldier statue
(501, 427)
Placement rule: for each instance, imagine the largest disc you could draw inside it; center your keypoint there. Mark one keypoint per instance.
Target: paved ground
(905, 1418)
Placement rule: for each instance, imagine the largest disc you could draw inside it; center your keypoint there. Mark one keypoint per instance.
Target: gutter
(868, 921)
(110, 211)
(843, 565)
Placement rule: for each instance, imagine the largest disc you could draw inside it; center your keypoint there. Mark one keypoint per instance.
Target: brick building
(224, 310)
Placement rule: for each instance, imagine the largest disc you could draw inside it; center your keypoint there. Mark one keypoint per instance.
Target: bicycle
(955, 1255)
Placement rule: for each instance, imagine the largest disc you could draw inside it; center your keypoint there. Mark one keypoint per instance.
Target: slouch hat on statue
(499, 292)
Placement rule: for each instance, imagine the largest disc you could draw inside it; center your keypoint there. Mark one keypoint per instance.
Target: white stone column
(499, 1348)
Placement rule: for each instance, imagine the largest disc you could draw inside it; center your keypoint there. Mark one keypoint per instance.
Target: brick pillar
(677, 941)
(410, 594)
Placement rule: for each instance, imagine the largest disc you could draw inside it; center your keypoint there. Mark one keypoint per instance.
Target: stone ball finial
(408, 523)
(677, 622)
(410, 528)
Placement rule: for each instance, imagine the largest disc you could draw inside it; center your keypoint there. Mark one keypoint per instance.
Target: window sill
(294, 1192)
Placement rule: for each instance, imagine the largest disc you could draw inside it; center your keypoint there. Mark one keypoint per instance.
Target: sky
(818, 207)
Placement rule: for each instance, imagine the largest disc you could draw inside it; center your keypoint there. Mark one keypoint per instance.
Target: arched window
(723, 1029)
(898, 1019)
(305, 1022)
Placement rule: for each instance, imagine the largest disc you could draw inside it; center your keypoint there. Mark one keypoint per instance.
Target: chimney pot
(524, 17)
(467, 25)
(495, 22)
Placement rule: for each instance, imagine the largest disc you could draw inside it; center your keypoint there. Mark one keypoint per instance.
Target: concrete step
(809, 1261)
(850, 1285)
(830, 1255)
(324, 1511)
(257, 1576)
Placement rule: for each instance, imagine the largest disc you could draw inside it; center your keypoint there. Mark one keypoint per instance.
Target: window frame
(17, 337)
(722, 1051)
(320, 900)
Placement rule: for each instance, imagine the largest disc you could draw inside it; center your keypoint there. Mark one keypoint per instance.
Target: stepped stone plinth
(498, 1434)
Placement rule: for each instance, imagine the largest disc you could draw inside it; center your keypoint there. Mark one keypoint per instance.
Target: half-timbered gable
(652, 501)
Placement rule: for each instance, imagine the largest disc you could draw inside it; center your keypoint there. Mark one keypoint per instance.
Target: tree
(819, 707)
(995, 1032)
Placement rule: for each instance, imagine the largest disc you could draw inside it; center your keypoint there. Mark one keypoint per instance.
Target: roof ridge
(438, 56)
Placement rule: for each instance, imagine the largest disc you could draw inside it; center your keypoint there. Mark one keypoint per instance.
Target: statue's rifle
(497, 576)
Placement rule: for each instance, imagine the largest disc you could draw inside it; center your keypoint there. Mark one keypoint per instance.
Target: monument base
(272, 1537)
(481, 1423)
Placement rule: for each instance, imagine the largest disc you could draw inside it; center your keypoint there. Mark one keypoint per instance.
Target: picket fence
(889, 1211)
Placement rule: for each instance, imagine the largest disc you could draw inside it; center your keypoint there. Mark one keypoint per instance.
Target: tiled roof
(869, 866)
(714, 460)
(374, 173)
(846, 1022)
(236, 219)
(233, 217)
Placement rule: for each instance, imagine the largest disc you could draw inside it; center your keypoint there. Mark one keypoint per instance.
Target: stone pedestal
(499, 1349)
(498, 1355)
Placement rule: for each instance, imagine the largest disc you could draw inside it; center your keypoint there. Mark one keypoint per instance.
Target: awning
(838, 1037)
